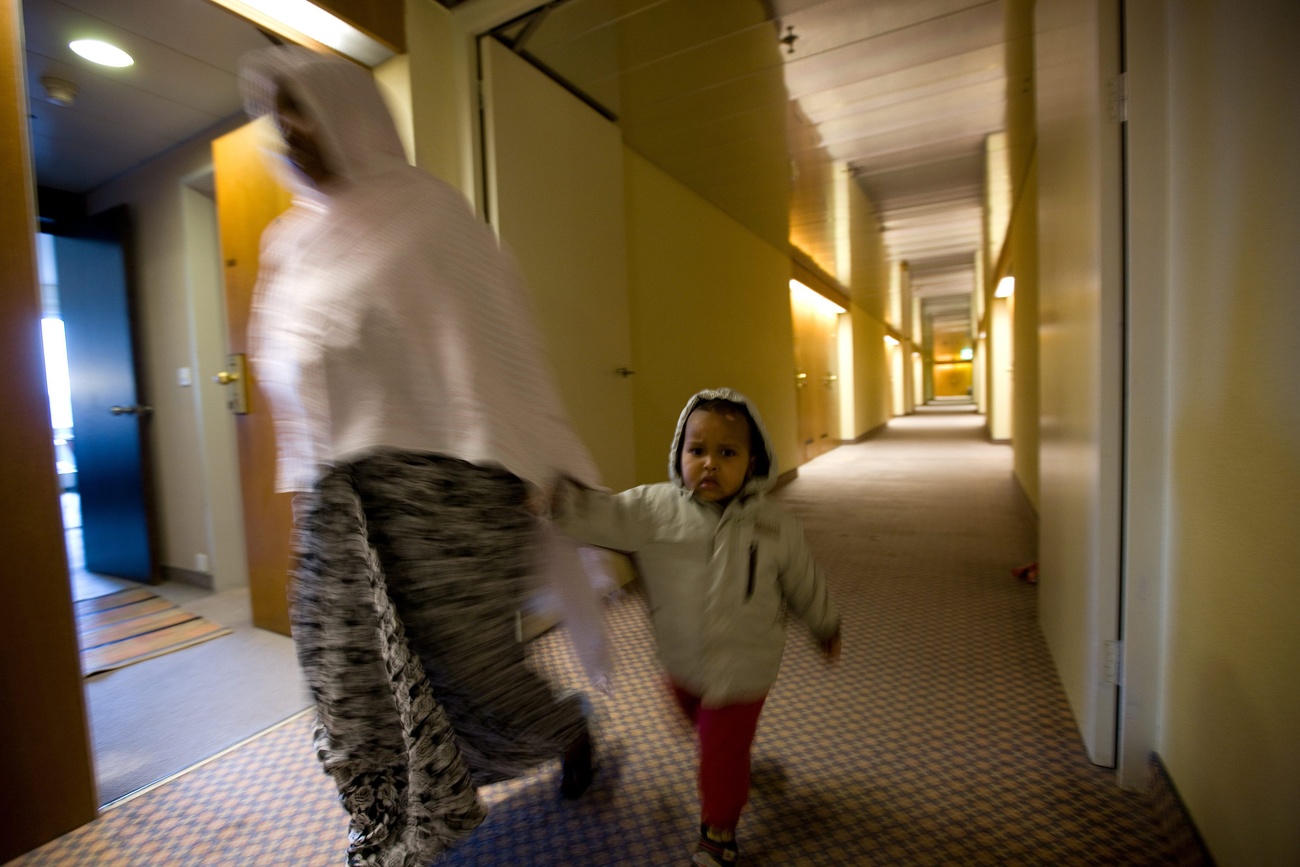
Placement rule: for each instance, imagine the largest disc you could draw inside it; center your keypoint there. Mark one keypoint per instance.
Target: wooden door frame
(50, 785)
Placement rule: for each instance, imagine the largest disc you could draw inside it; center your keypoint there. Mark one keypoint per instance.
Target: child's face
(715, 455)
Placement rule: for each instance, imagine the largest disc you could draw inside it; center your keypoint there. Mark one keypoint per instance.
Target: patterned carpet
(942, 737)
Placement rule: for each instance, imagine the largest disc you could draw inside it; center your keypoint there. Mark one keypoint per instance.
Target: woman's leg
(379, 734)
(456, 545)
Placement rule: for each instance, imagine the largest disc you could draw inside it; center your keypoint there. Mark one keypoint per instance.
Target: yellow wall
(1230, 705)
(710, 305)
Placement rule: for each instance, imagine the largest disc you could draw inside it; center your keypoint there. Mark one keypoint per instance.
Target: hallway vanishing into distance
(943, 736)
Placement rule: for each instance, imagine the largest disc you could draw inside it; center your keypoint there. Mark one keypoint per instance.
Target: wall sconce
(891, 341)
(820, 302)
(305, 23)
(1006, 287)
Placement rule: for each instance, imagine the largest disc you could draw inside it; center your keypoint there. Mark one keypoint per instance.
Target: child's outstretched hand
(831, 647)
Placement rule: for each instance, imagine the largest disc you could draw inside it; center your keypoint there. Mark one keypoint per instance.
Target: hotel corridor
(942, 737)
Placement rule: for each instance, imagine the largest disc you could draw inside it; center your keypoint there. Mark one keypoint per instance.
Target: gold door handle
(237, 376)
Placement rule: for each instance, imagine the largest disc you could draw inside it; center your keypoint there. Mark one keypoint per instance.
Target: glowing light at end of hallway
(966, 354)
(101, 52)
(819, 302)
(1006, 288)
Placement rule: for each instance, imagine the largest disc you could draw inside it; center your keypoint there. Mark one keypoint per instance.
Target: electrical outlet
(200, 562)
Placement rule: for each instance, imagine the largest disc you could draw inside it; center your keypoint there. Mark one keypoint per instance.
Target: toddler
(719, 563)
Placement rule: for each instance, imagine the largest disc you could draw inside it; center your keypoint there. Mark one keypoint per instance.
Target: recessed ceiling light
(101, 52)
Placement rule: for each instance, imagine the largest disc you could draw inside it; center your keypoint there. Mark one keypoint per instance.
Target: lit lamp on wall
(307, 24)
(1006, 287)
(818, 301)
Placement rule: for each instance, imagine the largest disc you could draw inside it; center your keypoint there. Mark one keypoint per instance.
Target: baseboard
(1186, 847)
(871, 434)
(785, 478)
(188, 576)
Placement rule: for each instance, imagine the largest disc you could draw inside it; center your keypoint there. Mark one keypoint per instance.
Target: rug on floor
(134, 625)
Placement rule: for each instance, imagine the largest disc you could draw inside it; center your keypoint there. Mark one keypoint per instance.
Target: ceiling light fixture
(307, 24)
(101, 52)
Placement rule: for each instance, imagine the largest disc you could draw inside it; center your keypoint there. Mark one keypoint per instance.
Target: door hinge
(1119, 98)
(1112, 666)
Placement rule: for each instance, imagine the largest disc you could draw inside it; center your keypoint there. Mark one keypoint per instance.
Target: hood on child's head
(765, 473)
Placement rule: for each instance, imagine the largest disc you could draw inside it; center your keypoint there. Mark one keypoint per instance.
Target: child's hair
(722, 406)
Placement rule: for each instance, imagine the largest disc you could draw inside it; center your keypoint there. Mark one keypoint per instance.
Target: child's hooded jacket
(717, 578)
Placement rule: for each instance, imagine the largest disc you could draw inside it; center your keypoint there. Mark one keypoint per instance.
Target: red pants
(725, 735)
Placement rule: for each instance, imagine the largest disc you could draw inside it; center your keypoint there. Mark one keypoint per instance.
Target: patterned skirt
(411, 568)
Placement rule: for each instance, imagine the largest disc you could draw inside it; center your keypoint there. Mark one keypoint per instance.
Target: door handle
(237, 375)
(131, 410)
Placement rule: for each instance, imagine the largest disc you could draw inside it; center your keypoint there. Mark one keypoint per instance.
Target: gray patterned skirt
(410, 570)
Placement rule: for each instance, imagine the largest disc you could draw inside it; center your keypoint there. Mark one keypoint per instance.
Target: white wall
(1079, 305)
(193, 450)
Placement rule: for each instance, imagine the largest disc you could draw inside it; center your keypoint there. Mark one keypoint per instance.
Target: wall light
(307, 24)
(819, 302)
(890, 340)
(1006, 287)
(101, 52)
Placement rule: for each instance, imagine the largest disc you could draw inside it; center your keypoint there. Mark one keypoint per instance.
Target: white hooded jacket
(718, 579)
(386, 315)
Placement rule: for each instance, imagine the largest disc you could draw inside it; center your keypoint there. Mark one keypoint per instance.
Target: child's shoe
(717, 848)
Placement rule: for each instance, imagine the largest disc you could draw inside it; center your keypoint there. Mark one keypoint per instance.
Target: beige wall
(1020, 254)
(710, 306)
(869, 289)
(180, 329)
(546, 147)
(427, 73)
(1230, 698)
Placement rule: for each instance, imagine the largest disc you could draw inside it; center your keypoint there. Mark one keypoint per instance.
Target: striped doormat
(134, 625)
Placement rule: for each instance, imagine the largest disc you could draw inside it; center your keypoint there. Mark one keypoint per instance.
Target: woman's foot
(578, 768)
(717, 848)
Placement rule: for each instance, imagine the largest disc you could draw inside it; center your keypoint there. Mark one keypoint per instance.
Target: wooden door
(248, 199)
(49, 782)
(816, 353)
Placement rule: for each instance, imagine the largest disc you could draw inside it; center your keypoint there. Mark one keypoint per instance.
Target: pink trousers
(725, 735)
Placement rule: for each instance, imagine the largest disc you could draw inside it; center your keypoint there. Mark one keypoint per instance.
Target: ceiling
(900, 94)
(182, 83)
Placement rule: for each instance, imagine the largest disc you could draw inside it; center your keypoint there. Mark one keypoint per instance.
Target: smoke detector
(58, 90)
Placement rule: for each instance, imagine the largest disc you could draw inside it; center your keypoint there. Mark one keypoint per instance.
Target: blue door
(108, 419)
